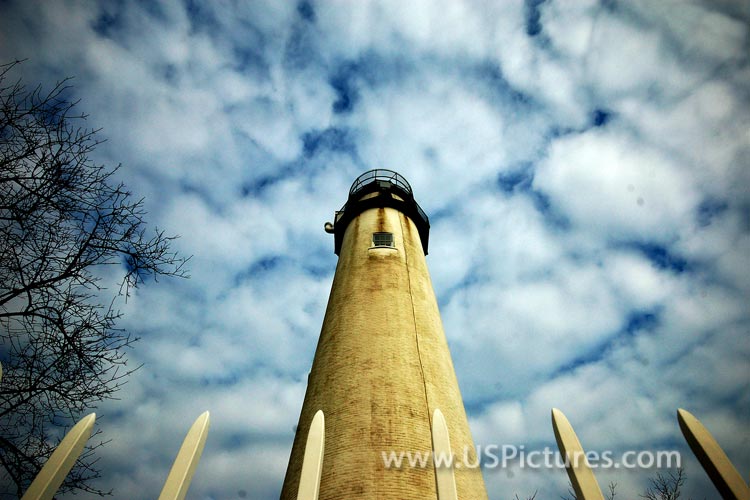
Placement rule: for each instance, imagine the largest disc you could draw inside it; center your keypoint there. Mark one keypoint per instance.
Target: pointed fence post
(445, 479)
(58, 465)
(178, 481)
(581, 476)
(712, 458)
(312, 462)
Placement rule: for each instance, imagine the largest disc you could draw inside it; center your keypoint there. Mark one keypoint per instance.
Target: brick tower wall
(381, 367)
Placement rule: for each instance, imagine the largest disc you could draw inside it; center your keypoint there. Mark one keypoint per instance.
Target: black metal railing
(383, 174)
(382, 183)
(380, 174)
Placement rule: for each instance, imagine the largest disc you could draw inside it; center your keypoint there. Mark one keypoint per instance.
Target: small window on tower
(382, 239)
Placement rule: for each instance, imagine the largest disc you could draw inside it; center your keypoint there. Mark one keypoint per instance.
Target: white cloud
(638, 282)
(699, 30)
(458, 143)
(447, 28)
(572, 26)
(215, 112)
(610, 184)
(537, 73)
(504, 420)
(706, 131)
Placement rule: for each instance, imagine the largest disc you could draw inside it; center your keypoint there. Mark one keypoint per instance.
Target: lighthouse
(382, 365)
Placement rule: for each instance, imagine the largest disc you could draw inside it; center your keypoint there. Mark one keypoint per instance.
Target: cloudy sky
(585, 166)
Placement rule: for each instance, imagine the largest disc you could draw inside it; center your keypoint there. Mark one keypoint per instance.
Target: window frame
(377, 241)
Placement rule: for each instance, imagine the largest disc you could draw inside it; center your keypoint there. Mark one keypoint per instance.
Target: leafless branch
(63, 218)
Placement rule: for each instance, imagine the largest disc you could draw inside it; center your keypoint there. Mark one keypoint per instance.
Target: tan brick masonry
(381, 367)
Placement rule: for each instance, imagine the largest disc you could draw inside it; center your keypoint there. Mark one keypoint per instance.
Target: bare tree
(611, 487)
(662, 487)
(532, 497)
(665, 487)
(64, 224)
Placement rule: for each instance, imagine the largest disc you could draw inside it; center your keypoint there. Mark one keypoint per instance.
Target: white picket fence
(715, 462)
(712, 458)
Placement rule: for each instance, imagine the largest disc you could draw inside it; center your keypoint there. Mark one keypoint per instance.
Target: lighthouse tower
(382, 366)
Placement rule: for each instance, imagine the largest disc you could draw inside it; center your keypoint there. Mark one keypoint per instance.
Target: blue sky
(585, 166)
